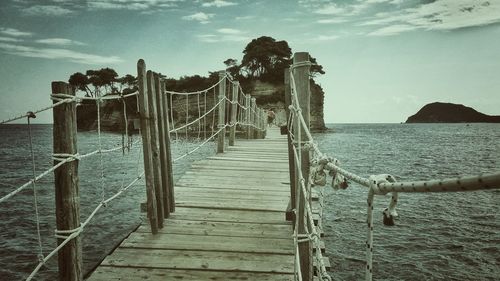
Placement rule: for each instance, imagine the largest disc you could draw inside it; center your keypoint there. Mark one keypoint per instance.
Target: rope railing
(376, 184)
(244, 115)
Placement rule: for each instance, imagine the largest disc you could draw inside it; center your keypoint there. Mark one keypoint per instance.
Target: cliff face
(272, 98)
(450, 113)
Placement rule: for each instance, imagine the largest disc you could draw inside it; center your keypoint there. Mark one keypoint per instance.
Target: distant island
(439, 112)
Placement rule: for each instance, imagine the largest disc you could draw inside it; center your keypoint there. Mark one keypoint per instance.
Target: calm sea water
(454, 236)
(437, 236)
(18, 236)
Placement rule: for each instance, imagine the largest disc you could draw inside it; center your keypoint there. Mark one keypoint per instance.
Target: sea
(437, 236)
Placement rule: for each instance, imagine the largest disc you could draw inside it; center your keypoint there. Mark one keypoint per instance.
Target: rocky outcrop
(439, 112)
(271, 97)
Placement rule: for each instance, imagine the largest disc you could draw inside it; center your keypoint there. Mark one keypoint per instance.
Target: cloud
(326, 37)
(244, 18)
(437, 15)
(117, 5)
(330, 9)
(9, 39)
(212, 38)
(59, 41)
(392, 30)
(200, 17)
(329, 21)
(47, 10)
(14, 32)
(62, 54)
(229, 31)
(218, 3)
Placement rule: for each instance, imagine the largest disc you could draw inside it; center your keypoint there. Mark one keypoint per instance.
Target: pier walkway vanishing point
(229, 222)
(252, 212)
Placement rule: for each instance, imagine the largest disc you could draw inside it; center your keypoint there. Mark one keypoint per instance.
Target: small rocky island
(439, 112)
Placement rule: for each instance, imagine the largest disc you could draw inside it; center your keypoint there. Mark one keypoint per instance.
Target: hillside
(439, 112)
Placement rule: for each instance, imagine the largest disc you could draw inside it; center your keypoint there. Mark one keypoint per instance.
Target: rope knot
(65, 234)
(65, 157)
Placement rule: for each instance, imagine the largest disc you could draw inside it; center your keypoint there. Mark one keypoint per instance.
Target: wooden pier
(229, 222)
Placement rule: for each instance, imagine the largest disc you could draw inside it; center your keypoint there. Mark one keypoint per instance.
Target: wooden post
(67, 195)
(248, 113)
(146, 145)
(290, 215)
(234, 109)
(253, 115)
(222, 112)
(303, 92)
(161, 117)
(168, 149)
(155, 148)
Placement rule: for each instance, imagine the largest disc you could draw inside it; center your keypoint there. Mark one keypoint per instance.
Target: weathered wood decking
(229, 222)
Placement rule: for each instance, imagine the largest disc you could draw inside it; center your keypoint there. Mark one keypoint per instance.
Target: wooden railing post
(67, 195)
(155, 148)
(161, 117)
(222, 113)
(303, 92)
(168, 149)
(234, 108)
(248, 113)
(291, 160)
(253, 115)
(146, 145)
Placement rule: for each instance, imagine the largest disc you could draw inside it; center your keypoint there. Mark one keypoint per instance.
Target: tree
(80, 82)
(233, 68)
(265, 57)
(315, 67)
(102, 78)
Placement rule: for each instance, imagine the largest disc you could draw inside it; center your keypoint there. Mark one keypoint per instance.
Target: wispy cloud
(438, 15)
(59, 42)
(9, 39)
(327, 37)
(229, 31)
(117, 5)
(218, 3)
(222, 37)
(57, 53)
(14, 32)
(331, 21)
(200, 17)
(392, 30)
(47, 10)
(244, 18)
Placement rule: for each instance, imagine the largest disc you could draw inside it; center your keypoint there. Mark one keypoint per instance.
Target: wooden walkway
(229, 222)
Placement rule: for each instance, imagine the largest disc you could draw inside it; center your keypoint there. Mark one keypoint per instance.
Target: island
(439, 112)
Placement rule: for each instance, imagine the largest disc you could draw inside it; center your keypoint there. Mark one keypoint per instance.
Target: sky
(384, 59)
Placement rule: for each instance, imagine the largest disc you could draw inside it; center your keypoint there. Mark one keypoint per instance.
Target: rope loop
(65, 234)
(65, 157)
(64, 97)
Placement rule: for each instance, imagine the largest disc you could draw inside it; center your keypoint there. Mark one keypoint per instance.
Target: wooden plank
(201, 260)
(108, 273)
(209, 243)
(241, 204)
(246, 159)
(207, 214)
(197, 166)
(215, 228)
(232, 193)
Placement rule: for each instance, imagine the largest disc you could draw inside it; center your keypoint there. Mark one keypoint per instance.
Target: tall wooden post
(302, 86)
(291, 160)
(67, 195)
(222, 113)
(170, 173)
(161, 117)
(155, 148)
(253, 115)
(234, 110)
(146, 145)
(248, 113)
